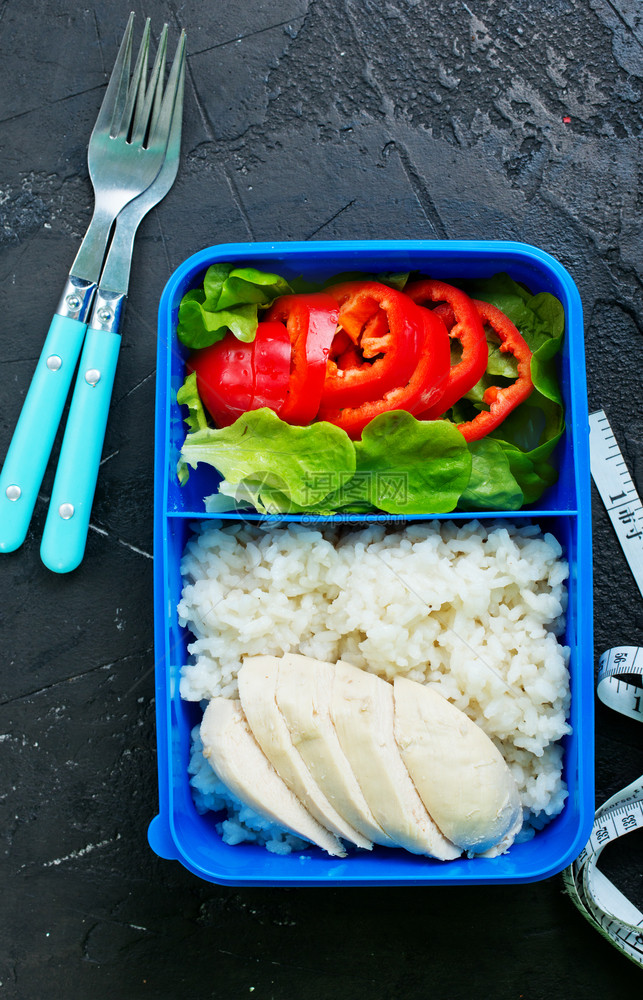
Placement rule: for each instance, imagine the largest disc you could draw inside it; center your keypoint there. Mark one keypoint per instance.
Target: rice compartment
(474, 611)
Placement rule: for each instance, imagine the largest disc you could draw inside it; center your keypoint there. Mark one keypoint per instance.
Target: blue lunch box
(179, 832)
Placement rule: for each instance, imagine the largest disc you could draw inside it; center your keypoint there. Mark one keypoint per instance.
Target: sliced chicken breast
(257, 680)
(303, 696)
(238, 760)
(459, 773)
(362, 713)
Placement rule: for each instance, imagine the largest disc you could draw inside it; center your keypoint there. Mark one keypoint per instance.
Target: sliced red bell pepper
(224, 378)
(387, 338)
(271, 360)
(233, 377)
(421, 390)
(446, 314)
(311, 322)
(501, 400)
(344, 353)
(467, 328)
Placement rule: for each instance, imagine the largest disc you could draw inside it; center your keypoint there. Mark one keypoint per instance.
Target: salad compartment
(320, 261)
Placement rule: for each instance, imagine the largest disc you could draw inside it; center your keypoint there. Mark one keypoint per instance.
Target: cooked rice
(476, 610)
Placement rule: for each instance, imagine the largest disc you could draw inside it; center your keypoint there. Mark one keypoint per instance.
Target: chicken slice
(257, 680)
(362, 712)
(303, 695)
(238, 760)
(459, 773)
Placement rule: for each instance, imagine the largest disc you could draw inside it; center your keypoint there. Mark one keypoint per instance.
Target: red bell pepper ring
(344, 353)
(467, 328)
(423, 388)
(233, 377)
(501, 400)
(311, 322)
(387, 338)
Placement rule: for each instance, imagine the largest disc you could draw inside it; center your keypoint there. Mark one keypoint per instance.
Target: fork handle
(65, 535)
(30, 448)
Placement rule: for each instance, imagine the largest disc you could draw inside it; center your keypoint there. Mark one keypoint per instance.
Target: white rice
(475, 610)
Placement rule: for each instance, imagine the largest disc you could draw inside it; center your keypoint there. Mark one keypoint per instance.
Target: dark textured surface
(304, 119)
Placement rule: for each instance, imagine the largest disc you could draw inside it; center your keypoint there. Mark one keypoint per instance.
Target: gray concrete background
(304, 119)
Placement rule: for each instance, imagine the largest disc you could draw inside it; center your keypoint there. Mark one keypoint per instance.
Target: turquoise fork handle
(33, 438)
(63, 541)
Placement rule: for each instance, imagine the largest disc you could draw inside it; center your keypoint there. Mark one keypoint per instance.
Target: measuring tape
(617, 492)
(596, 897)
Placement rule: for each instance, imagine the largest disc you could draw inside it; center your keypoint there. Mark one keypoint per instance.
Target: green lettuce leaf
(541, 321)
(301, 285)
(533, 476)
(408, 466)
(393, 279)
(543, 370)
(213, 282)
(268, 499)
(492, 485)
(261, 453)
(229, 300)
(225, 285)
(501, 364)
(188, 395)
(540, 318)
(530, 433)
(199, 328)
(246, 284)
(535, 423)
(476, 394)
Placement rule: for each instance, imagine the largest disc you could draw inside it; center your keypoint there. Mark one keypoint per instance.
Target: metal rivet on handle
(92, 376)
(66, 510)
(104, 315)
(73, 302)
(54, 363)
(13, 492)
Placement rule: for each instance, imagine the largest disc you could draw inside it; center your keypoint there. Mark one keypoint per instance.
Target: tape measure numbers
(617, 491)
(619, 686)
(624, 696)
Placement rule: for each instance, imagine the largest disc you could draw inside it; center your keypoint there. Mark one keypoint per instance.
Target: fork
(126, 152)
(65, 534)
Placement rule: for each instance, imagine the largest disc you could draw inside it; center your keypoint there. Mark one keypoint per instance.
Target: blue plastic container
(179, 832)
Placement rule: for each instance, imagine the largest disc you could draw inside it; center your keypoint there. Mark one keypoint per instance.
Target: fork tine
(136, 89)
(174, 141)
(119, 77)
(163, 123)
(145, 109)
(158, 94)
